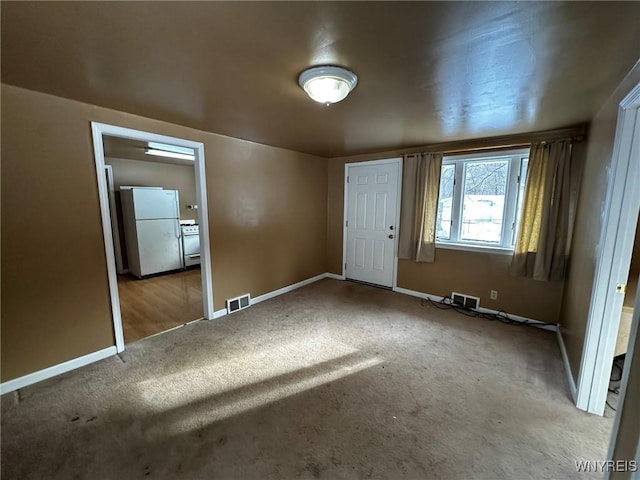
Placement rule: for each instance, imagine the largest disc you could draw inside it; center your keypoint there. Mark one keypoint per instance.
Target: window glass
(445, 202)
(485, 188)
(481, 199)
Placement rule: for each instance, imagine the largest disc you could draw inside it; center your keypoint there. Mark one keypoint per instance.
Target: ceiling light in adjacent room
(164, 153)
(170, 151)
(327, 84)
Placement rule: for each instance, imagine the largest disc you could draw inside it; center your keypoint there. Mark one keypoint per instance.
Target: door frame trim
(613, 258)
(100, 129)
(398, 161)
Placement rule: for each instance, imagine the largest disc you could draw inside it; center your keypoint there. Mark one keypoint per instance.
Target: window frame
(508, 236)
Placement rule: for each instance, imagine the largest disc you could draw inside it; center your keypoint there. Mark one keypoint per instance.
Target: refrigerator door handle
(178, 229)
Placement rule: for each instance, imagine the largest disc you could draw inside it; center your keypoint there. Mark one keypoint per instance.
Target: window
(480, 199)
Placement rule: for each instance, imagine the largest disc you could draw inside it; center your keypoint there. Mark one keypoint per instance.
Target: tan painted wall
(267, 210)
(579, 283)
(156, 174)
(454, 270)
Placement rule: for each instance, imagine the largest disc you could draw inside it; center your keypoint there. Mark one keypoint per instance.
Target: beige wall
(157, 174)
(454, 270)
(267, 209)
(579, 283)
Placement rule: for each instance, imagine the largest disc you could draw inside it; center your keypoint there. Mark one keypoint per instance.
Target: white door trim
(613, 258)
(397, 161)
(100, 129)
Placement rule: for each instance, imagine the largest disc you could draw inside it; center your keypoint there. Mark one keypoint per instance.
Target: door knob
(391, 227)
(391, 236)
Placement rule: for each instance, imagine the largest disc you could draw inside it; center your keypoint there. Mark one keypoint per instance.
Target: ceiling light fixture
(170, 151)
(327, 84)
(164, 153)
(171, 148)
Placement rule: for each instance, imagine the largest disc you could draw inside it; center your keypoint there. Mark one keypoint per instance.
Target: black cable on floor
(619, 367)
(447, 304)
(620, 377)
(616, 392)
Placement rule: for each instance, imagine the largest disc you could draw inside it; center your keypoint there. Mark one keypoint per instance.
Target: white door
(159, 245)
(152, 203)
(372, 199)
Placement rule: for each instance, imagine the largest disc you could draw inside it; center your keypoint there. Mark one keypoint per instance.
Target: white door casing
(371, 223)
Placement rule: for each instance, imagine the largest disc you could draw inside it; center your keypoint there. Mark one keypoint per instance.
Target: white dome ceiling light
(327, 84)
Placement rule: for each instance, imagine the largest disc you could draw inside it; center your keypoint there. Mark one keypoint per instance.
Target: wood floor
(156, 304)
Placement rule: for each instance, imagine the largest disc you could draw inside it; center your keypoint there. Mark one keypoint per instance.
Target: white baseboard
(437, 298)
(49, 372)
(567, 366)
(288, 288)
(261, 298)
(64, 367)
(219, 313)
(415, 293)
(335, 276)
(519, 318)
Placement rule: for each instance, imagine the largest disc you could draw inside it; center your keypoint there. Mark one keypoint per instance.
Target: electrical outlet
(494, 295)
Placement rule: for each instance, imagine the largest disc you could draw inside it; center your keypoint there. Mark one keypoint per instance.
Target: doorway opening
(624, 329)
(155, 225)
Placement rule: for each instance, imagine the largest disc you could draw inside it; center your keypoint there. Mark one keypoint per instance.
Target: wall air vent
(238, 303)
(466, 301)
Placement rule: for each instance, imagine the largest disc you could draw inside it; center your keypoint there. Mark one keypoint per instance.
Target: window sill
(475, 248)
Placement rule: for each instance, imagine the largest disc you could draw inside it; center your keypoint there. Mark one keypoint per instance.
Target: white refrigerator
(151, 218)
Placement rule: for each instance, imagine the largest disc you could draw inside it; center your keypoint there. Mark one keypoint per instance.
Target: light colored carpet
(334, 380)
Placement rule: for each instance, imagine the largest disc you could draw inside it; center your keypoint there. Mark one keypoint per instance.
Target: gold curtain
(542, 246)
(420, 189)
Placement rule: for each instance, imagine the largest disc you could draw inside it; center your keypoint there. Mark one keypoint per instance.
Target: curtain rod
(502, 146)
(576, 134)
(521, 140)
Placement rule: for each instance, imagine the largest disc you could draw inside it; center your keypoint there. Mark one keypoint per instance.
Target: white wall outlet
(494, 295)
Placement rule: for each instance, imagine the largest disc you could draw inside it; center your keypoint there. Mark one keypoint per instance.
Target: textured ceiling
(429, 72)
